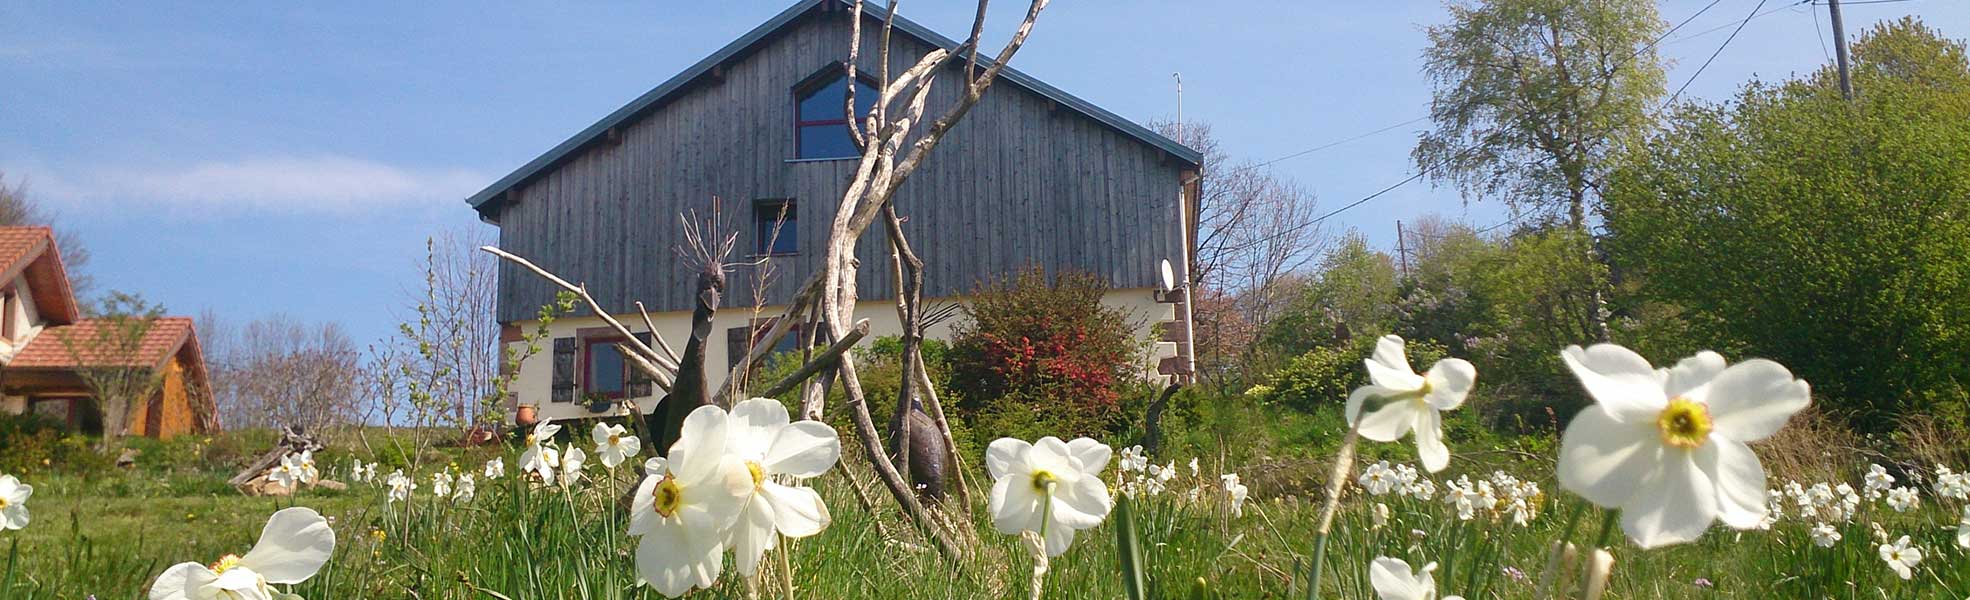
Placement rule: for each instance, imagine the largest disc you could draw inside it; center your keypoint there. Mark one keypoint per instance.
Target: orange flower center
(1684, 424)
(668, 497)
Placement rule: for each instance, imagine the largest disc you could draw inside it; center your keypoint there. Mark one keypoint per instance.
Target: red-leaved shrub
(1044, 350)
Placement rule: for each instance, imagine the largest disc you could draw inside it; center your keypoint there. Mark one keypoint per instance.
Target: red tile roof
(18, 245)
(48, 350)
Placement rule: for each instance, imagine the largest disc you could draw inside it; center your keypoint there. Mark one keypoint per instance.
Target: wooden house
(46, 346)
(1033, 176)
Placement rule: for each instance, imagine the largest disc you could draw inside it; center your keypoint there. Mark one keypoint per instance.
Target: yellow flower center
(225, 562)
(1684, 424)
(758, 474)
(531, 439)
(615, 439)
(1042, 479)
(668, 497)
(3, 502)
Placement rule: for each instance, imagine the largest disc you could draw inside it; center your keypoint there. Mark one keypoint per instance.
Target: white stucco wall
(25, 317)
(535, 380)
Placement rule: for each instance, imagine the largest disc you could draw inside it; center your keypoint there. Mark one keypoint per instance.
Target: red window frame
(588, 345)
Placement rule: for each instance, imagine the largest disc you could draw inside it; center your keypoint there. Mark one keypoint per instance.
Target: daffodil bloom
(1393, 580)
(1825, 536)
(1236, 492)
(540, 458)
(613, 445)
(571, 462)
(1903, 499)
(13, 502)
(774, 449)
(686, 503)
(1378, 479)
(1876, 481)
(306, 466)
(400, 486)
(287, 474)
(465, 489)
(1667, 447)
(1902, 557)
(441, 484)
(1379, 517)
(1409, 402)
(1051, 487)
(292, 548)
(495, 468)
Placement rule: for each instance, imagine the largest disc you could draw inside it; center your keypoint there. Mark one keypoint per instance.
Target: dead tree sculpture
(891, 149)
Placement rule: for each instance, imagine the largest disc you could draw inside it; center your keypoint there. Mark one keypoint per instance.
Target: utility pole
(1401, 249)
(1840, 48)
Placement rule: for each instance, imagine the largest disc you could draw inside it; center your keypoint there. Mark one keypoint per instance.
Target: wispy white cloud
(319, 184)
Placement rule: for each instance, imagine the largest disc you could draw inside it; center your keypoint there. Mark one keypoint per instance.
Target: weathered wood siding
(1020, 181)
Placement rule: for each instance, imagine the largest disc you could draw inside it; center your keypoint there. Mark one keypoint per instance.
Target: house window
(9, 306)
(604, 372)
(773, 227)
(820, 132)
(740, 340)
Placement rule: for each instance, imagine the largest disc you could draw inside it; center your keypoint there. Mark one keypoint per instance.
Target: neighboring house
(45, 345)
(1032, 176)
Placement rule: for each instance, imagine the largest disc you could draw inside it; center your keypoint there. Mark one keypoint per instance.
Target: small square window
(775, 227)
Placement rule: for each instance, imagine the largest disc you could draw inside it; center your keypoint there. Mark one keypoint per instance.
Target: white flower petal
(293, 547)
(1674, 506)
(1014, 505)
(752, 536)
(797, 511)
(1094, 455)
(1391, 421)
(1429, 440)
(804, 449)
(1751, 400)
(1393, 580)
(1740, 481)
(241, 583)
(1450, 382)
(672, 561)
(1058, 539)
(181, 580)
(1081, 504)
(1691, 373)
(1618, 379)
(1389, 365)
(700, 444)
(754, 423)
(1604, 460)
(1005, 456)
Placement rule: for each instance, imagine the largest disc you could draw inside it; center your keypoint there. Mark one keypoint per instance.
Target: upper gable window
(820, 132)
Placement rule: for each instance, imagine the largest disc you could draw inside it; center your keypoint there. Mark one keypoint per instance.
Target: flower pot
(526, 416)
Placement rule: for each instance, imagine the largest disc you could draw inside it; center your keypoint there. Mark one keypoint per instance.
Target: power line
(1815, 15)
(1720, 50)
(1729, 25)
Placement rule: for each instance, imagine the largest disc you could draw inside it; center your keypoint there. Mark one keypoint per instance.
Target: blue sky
(255, 158)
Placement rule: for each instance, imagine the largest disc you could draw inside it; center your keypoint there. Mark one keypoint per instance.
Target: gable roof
(485, 201)
(50, 350)
(31, 251)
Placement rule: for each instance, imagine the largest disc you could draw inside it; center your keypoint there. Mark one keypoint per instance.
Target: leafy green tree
(1832, 236)
(1532, 95)
(1354, 295)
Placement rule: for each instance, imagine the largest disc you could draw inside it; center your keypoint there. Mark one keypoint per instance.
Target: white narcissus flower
(1963, 530)
(540, 458)
(1409, 402)
(495, 468)
(306, 463)
(1903, 499)
(292, 548)
(613, 445)
(466, 488)
(1423, 489)
(1379, 517)
(685, 504)
(441, 484)
(1236, 491)
(1195, 469)
(775, 450)
(287, 474)
(1378, 479)
(1825, 536)
(1667, 447)
(1902, 557)
(1393, 580)
(1876, 481)
(1027, 479)
(400, 486)
(13, 502)
(571, 462)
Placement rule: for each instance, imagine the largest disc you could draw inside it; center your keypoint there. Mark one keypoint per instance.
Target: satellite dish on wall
(1169, 276)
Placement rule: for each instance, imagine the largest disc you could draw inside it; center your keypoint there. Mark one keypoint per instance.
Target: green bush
(1324, 376)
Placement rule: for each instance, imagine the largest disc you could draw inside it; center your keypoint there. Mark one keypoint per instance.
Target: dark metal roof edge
(757, 34)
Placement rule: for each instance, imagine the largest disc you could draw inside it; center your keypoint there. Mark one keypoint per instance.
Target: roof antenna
(1179, 77)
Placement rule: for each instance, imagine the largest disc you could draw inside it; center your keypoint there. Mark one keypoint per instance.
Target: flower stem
(1607, 527)
(1336, 483)
(786, 568)
(1046, 522)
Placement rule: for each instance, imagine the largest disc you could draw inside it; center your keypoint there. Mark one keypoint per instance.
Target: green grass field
(107, 536)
